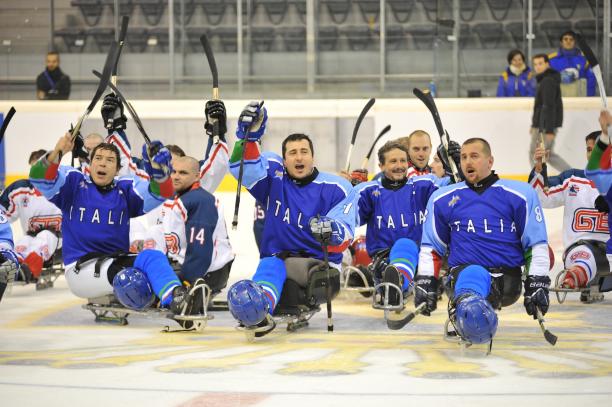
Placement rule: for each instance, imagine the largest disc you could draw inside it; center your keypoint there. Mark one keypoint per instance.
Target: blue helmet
(247, 302)
(132, 288)
(475, 319)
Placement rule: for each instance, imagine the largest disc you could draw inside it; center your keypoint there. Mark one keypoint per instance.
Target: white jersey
(22, 201)
(571, 189)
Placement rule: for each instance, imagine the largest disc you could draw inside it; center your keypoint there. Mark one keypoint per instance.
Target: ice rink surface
(52, 353)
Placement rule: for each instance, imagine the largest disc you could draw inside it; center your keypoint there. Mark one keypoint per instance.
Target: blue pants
(154, 264)
(404, 256)
(473, 278)
(271, 274)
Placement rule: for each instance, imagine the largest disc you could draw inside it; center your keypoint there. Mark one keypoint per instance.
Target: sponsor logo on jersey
(25, 201)
(580, 255)
(172, 243)
(453, 201)
(278, 174)
(573, 190)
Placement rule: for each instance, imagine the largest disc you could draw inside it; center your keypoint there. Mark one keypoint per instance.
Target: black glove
(454, 153)
(536, 294)
(79, 150)
(601, 204)
(426, 291)
(112, 113)
(215, 110)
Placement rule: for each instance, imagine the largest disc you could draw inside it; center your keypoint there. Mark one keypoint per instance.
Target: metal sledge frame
(344, 280)
(589, 294)
(294, 321)
(107, 309)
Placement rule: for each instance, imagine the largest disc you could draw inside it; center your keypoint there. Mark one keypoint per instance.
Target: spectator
(573, 67)
(52, 83)
(517, 79)
(547, 111)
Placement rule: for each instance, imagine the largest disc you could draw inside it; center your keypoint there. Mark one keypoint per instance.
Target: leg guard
(156, 267)
(271, 275)
(404, 256)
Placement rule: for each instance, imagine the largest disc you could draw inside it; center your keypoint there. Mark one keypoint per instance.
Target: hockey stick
(549, 336)
(129, 107)
(544, 171)
(241, 173)
(330, 321)
(400, 323)
(428, 100)
(6, 121)
(384, 131)
(215, 78)
(364, 111)
(122, 34)
(596, 68)
(111, 60)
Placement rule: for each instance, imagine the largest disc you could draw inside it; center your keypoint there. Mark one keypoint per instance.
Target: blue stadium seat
(193, 37)
(490, 34)
(189, 10)
(468, 9)
(228, 38)
(294, 38)
(73, 37)
(137, 38)
(499, 8)
(327, 38)
(566, 8)
(401, 9)
(91, 10)
(103, 37)
(152, 10)
(263, 38)
(359, 37)
(338, 9)
(553, 30)
(275, 9)
(126, 7)
(214, 10)
(370, 9)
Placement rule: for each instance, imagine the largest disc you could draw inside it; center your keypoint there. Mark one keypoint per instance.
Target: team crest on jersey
(278, 174)
(82, 184)
(453, 201)
(376, 193)
(573, 191)
(25, 202)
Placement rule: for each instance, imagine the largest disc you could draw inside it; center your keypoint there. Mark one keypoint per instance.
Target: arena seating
(152, 10)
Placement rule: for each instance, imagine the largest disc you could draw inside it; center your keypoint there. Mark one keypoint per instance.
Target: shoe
(392, 276)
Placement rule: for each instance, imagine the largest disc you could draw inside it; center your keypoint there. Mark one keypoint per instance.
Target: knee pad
(473, 278)
(132, 289)
(317, 284)
(474, 319)
(247, 302)
(292, 297)
(581, 256)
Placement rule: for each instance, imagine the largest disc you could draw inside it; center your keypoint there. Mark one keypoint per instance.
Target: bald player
(194, 228)
(418, 144)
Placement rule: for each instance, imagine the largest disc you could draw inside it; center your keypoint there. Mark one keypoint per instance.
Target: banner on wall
(2, 160)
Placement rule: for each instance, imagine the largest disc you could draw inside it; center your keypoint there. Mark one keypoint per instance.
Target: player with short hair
(585, 228)
(303, 205)
(40, 221)
(393, 207)
(96, 212)
(489, 228)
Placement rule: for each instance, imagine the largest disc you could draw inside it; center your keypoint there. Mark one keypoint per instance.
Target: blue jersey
(289, 206)
(393, 214)
(496, 228)
(6, 234)
(510, 85)
(573, 59)
(599, 170)
(95, 221)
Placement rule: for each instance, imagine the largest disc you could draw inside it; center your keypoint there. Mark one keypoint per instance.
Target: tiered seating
(370, 9)
(137, 38)
(103, 37)
(275, 9)
(327, 38)
(338, 9)
(190, 7)
(126, 7)
(152, 10)
(91, 10)
(554, 29)
(263, 38)
(490, 34)
(73, 37)
(401, 9)
(294, 38)
(359, 37)
(213, 10)
(468, 9)
(499, 8)
(566, 8)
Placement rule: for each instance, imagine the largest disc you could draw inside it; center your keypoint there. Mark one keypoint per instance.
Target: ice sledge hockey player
(393, 207)
(585, 228)
(490, 228)
(599, 170)
(96, 210)
(40, 220)
(9, 262)
(302, 205)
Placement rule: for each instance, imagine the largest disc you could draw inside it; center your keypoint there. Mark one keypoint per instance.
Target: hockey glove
(536, 294)
(253, 121)
(453, 153)
(215, 111)
(156, 159)
(327, 231)
(601, 204)
(358, 176)
(79, 150)
(426, 291)
(112, 113)
(9, 255)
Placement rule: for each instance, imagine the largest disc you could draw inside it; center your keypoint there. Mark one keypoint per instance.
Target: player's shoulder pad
(327, 178)
(375, 183)
(20, 183)
(446, 190)
(519, 188)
